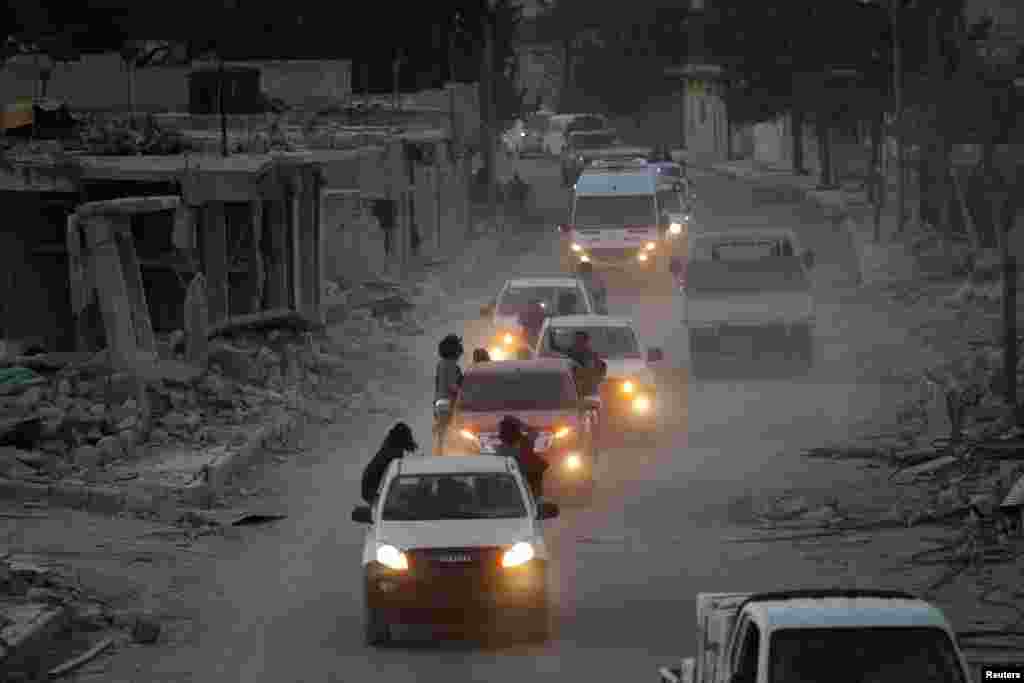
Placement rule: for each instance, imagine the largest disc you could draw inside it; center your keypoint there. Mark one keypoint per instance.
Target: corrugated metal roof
(642, 182)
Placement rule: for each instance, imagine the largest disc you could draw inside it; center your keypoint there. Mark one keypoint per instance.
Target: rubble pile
(370, 307)
(50, 625)
(70, 415)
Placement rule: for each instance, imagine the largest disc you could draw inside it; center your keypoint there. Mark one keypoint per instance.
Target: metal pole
(897, 83)
(489, 75)
(223, 114)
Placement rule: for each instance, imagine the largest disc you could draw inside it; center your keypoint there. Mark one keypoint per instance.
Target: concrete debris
(146, 630)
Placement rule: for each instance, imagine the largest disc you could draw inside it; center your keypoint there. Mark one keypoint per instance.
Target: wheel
(377, 631)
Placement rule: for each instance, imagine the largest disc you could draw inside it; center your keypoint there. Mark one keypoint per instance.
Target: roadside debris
(256, 518)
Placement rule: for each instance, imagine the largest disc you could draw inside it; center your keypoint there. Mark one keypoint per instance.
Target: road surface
(285, 605)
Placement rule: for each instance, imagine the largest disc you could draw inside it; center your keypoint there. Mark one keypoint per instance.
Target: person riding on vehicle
(397, 443)
(517, 442)
(595, 284)
(532, 319)
(481, 356)
(447, 379)
(593, 370)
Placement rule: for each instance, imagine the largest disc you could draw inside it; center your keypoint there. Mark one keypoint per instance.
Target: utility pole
(222, 81)
(897, 86)
(488, 100)
(396, 69)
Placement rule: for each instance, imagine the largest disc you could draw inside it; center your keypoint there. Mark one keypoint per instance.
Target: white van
(559, 127)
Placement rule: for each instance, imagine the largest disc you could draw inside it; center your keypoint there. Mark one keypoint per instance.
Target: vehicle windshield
(516, 300)
(611, 342)
(589, 140)
(863, 655)
(619, 210)
(421, 498)
(517, 390)
(670, 171)
(585, 123)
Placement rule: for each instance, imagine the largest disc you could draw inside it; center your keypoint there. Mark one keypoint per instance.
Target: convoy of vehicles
(545, 395)
(454, 541)
(614, 220)
(747, 293)
(629, 393)
(508, 339)
(819, 635)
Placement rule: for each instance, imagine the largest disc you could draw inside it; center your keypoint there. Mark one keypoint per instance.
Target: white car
(507, 341)
(629, 393)
(451, 539)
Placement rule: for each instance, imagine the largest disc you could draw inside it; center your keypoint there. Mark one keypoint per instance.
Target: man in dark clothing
(481, 356)
(517, 442)
(396, 444)
(447, 381)
(532, 319)
(591, 368)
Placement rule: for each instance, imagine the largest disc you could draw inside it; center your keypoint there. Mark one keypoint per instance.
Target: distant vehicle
(677, 213)
(451, 540)
(579, 147)
(613, 220)
(536, 127)
(746, 293)
(810, 635)
(507, 339)
(559, 127)
(546, 396)
(629, 393)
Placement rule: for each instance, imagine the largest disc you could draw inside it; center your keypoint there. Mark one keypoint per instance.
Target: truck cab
(850, 636)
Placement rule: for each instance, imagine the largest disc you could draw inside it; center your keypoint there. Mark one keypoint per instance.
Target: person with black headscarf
(517, 442)
(397, 443)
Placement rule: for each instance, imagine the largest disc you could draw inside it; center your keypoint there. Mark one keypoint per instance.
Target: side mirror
(546, 510)
(442, 406)
(675, 266)
(486, 310)
(809, 259)
(362, 515)
(655, 355)
(565, 228)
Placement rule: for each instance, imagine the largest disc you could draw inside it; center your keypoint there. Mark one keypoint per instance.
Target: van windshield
(591, 140)
(635, 210)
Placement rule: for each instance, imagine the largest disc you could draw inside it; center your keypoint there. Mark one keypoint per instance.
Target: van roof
(433, 464)
(630, 183)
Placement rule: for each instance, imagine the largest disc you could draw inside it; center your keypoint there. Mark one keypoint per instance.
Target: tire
(376, 631)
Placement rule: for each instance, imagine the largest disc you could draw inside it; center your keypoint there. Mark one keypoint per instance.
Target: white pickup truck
(846, 636)
(746, 293)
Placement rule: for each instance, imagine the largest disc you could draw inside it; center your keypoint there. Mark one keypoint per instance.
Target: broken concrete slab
(28, 631)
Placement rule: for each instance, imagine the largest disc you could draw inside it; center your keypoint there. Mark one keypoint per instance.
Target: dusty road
(285, 605)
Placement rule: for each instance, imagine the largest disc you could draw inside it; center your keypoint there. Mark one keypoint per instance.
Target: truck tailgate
(715, 615)
(747, 309)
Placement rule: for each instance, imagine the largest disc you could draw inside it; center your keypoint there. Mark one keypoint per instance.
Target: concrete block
(29, 633)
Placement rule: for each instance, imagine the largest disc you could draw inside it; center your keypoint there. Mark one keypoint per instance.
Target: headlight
(392, 558)
(687, 218)
(675, 228)
(576, 247)
(496, 354)
(642, 257)
(584, 259)
(509, 339)
(563, 432)
(627, 387)
(641, 404)
(517, 555)
(469, 436)
(573, 462)
(650, 246)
